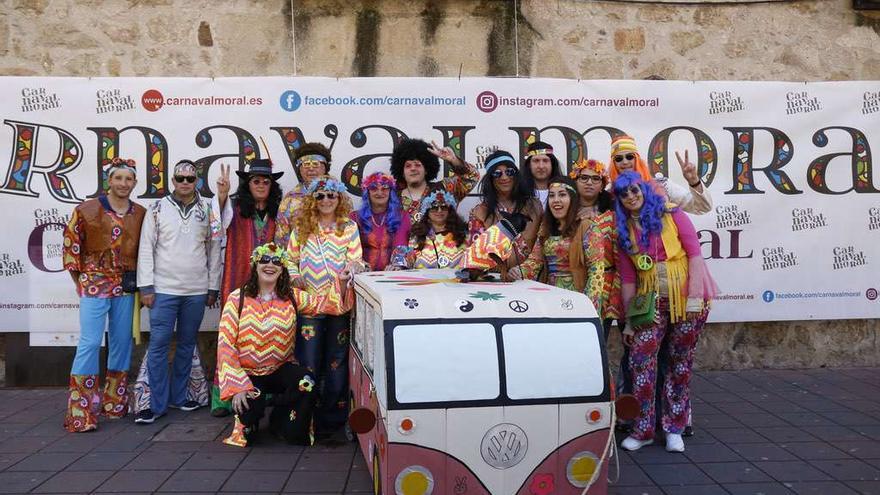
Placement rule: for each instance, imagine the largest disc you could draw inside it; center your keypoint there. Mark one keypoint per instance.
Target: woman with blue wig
(667, 289)
(381, 222)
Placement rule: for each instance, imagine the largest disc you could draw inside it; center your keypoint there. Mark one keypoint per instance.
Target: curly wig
(650, 215)
(393, 215)
(307, 221)
(413, 149)
(454, 224)
(311, 149)
(566, 227)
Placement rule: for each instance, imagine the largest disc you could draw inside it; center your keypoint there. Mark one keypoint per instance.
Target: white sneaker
(674, 443)
(632, 444)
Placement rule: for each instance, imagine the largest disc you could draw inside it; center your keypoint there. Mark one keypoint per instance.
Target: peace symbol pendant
(443, 261)
(644, 262)
(417, 216)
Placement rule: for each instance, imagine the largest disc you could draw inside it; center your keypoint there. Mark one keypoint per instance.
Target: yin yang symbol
(464, 305)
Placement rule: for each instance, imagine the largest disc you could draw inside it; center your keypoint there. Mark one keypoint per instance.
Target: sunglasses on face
(510, 172)
(266, 259)
(184, 178)
(377, 187)
(329, 195)
(632, 190)
(261, 181)
(311, 164)
(629, 157)
(590, 178)
(437, 208)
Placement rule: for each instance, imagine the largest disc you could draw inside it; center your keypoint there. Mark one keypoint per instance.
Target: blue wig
(392, 214)
(650, 215)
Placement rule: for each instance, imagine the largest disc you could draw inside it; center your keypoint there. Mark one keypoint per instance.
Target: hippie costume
(309, 156)
(437, 249)
(382, 234)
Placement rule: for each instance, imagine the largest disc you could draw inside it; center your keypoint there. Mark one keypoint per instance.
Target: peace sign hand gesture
(223, 185)
(689, 170)
(446, 154)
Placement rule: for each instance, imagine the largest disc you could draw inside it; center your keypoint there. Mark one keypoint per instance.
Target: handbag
(642, 309)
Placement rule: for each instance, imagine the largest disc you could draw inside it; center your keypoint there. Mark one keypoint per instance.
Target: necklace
(268, 296)
(379, 224)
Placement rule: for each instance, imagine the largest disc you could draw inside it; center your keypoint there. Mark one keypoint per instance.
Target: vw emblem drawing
(504, 446)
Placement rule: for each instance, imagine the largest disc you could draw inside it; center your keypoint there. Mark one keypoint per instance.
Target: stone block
(630, 40)
(685, 41)
(65, 35)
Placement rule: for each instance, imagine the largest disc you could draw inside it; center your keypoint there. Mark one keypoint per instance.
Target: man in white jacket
(178, 275)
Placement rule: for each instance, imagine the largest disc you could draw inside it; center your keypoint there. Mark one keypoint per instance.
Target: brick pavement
(758, 432)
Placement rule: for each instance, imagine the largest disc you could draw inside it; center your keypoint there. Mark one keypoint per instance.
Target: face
(504, 178)
(558, 201)
(259, 186)
(631, 198)
(379, 196)
(121, 184)
(269, 269)
(326, 201)
(184, 183)
(625, 160)
(438, 215)
(541, 166)
(589, 184)
(311, 170)
(413, 172)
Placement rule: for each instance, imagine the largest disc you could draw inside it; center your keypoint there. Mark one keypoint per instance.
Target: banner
(793, 234)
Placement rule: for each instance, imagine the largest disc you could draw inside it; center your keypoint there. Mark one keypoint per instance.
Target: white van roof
(425, 294)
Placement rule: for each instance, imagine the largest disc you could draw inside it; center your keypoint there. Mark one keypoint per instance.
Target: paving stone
(736, 435)
(165, 447)
(783, 434)
(262, 461)
(634, 490)
(836, 433)
(852, 418)
(256, 481)
(74, 481)
(45, 462)
(22, 481)
(822, 488)
(102, 461)
(872, 432)
(760, 419)
(656, 454)
(713, 452)
(734, 472)
(135, 481)
(361, 481)
(315, 482)
(716, 421)
(848, 469)
(815, 451)
(757, 489)
(158, 460)
(7, 460)
(762, 452)
(190, 432)
(25, 444)
(215, 460)
(791, 471)
(862, 449)
(694, 490)
(323, 462)
(79, 442)
(45, 429)
(683, 474)
(805, 419)
(631, 475)
(195, 481)
(865, 487)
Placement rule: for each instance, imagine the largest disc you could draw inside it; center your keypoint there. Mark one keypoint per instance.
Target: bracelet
(699, 183)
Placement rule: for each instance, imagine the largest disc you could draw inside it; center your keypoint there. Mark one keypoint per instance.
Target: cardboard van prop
(478, 388)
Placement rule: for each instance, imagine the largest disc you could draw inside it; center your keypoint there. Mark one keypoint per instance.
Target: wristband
(699, 183)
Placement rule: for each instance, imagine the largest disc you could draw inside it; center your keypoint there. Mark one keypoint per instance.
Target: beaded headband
(564, 185)
(184, 166)
(311, 158)
(326, 184)
(541, 151)
(121, 164)
(437, 198)
(379, 179)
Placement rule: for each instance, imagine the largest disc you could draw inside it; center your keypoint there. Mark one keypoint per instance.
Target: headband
(271, 249)
(326, 184)
(311, 158)
(121, 164)
(184, 166)
(594, 165)
(499, 160)
(563, 184)
(379, 179)
(437, 198)
(542, 151)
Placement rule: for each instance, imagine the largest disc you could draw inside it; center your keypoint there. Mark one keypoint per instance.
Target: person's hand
(299, 283)
(446, 154)
(345, 274)
(692, 315)
(586, 214)
(393, 268)
(628, 339)
(211, 300)
(239, 402)
(148, 299)
(223, 184)
(688, 169)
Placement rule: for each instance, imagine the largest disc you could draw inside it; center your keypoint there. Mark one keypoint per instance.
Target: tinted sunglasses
(590, 178)
(632, 190)
(628, 156)
(375, 187)
(328, 195)
(266, 259)
(261, 181)
(312, 164)
(510, 172)
(185, 178)
(438, 208)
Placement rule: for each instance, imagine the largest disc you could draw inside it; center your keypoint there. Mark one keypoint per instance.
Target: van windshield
(552, 360)
(445, 362)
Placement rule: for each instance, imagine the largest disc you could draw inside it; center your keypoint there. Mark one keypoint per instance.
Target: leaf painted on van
(486, 296)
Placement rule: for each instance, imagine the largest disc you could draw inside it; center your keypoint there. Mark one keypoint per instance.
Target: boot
(83, 393)
(238, 436)
(115, 400)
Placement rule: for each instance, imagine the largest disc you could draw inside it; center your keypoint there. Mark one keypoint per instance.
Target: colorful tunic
(599, 239)
(242, 236)
(287, 213)
(321, 258)
(522, 245)
(379, 244)
(457, 185)
(551, 252)
(259, 340)
(439, 251)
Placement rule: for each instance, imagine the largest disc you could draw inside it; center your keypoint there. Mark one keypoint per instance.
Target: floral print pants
(681, 343)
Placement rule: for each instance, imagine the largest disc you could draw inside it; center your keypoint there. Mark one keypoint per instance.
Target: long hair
(527, 169)
(251, 287)
(307, 221)
(520, 193)
(413, 149)
(650, 215)
(245, 200)
(552, 226)
(454, 224)
(393, 215)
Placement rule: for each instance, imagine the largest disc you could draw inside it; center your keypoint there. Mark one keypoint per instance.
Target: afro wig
(413, 149)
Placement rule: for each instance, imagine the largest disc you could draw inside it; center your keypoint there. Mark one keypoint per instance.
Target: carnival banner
(793, 235)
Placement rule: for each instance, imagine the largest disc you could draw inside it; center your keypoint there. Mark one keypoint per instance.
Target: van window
(440, 363)
(552, 360)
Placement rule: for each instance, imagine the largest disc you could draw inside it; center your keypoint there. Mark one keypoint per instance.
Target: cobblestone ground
(757, 432)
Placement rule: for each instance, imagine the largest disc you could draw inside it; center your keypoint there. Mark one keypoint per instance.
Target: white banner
(794, 234)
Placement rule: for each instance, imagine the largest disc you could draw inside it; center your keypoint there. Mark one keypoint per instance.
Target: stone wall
(803, 40)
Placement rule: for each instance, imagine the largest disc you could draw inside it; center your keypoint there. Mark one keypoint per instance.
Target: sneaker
(674, 443)
(688, 431)
(632, 444)
(189, 405)
(146, 417)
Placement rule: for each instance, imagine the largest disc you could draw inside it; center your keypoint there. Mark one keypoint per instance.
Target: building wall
(804, 40)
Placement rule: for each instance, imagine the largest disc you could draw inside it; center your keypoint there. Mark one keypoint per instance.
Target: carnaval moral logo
(806, 219)
(290, 100)
(10, 266)
(871, 102)
(724, 102)
(34, 99)
(778, 257)
(112, 100)
(731, 216)
(801, 102)
(848, 257)
(873, 218)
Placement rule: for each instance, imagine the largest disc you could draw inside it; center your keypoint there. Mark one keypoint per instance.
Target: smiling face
(624, 160)
(326, 202)
(589, 185)
(121, 184)
(268, 271)
(413, 172)
(311, 170)
(504, 178)
(632, 198)
(259, 187)
(558, 201)
(379, 197)
(437, 215)
(541, 166)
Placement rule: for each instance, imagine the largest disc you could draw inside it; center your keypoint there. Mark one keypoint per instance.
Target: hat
(260, 166)
(438, 197)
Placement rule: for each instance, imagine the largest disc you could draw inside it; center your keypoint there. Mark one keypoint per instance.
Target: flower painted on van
(410, 303)
(487, 296)
(542, 484)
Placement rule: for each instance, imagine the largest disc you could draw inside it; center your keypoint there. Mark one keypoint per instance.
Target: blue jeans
(187, 313)
(322, 348)
(93, 313)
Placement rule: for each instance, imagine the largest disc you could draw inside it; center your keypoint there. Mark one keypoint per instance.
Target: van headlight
(414, 480)
(581, 468)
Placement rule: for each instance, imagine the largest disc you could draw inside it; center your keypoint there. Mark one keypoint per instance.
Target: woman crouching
(255, 352)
